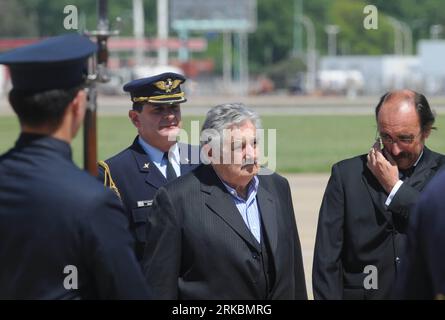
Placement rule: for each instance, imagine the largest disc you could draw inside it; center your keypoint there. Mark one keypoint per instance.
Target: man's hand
(384, 169)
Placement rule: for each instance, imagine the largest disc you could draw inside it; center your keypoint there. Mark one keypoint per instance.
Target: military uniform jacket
(137, 179)
(356, 229)
(199, 246)
(55, 217)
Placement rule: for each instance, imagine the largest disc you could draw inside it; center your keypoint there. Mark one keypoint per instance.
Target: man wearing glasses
(367, 203)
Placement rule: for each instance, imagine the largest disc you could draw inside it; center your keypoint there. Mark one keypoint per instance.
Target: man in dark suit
(423, 274)
(224, 231)
(62, 236)
(367, 203)
(155, 157)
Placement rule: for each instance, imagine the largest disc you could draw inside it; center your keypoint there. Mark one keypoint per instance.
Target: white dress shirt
(157, 157)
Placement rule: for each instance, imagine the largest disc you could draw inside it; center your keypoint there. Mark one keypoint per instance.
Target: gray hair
(225, 116)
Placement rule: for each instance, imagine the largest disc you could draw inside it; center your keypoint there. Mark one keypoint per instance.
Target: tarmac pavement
(307, 193)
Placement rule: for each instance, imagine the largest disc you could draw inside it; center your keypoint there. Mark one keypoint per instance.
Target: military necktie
(171, 174)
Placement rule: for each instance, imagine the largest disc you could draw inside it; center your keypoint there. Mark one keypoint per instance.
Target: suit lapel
(268, 212)
(425, 168)
(376, 192)
(222, 204)
(153, 176)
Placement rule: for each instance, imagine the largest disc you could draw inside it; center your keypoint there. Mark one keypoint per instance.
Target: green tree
(348, 15)
(16, 20)
(272, 41)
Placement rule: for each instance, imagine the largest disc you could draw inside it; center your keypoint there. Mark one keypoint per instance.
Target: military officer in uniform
(155, 157)
(62, 236)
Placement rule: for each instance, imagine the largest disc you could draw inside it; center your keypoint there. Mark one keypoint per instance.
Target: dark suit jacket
(53, 215)
(137, 178)
(356, 229)
(198, 246)
(423, 274)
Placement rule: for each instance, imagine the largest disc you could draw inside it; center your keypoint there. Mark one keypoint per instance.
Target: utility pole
(138, 29)
(408, 38)
(241, 67)
(332, 31)
(398, 34)
(227, 61)
(298, 39)
(243, 63)
(162, 6)
(311, 63)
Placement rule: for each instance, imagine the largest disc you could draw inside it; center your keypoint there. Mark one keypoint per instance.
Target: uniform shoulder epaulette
(108, 180)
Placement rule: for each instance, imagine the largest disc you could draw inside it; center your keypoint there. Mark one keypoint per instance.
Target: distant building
(379, 73)
(424, 72)
(431, 55)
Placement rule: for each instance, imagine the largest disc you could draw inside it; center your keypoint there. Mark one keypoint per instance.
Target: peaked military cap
(164, 88)
(54, 63)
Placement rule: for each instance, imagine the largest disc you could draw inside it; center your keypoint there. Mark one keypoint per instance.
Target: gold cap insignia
(167, 85)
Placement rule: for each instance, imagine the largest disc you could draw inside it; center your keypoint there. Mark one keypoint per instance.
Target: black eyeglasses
(402, 139)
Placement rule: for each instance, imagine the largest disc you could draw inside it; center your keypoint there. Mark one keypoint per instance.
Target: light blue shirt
(248, 208)
(157, 157)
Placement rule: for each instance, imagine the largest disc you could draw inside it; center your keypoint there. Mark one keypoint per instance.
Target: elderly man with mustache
(227, 229)
(367, 203)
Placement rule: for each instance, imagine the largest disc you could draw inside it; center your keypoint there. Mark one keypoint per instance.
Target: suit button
(397, 260)
(255, 256)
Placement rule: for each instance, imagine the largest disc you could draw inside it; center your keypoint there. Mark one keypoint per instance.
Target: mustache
(402, 155)
(249, 162)
(168, 124)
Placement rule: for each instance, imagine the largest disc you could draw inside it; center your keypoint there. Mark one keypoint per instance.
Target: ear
(426, 133)
(75, 113)
(78, 105)
(134, 117)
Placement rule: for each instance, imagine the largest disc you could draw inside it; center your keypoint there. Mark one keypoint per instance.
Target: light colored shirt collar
(418, 159)
(157, 155)
(252, 189)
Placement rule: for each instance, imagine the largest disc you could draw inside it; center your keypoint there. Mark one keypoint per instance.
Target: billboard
(213, 15)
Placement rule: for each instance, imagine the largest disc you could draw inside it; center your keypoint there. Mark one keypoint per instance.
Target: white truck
(346, 82)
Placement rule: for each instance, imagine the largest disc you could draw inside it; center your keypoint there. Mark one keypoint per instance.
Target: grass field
(304, 143)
